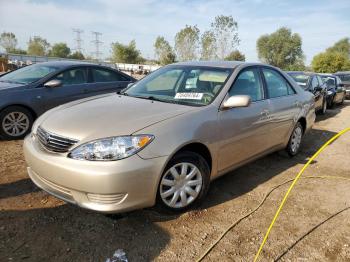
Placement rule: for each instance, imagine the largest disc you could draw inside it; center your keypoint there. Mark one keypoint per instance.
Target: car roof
(221, 64)
(63, 64)
(302, 72)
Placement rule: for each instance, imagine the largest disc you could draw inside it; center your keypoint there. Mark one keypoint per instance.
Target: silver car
(164, 139)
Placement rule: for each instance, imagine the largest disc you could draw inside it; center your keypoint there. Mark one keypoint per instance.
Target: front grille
(53, 142)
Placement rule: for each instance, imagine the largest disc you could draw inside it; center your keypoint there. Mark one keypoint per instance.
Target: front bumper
(109, 187)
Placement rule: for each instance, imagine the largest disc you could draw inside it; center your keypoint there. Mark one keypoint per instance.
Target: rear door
(74, 85)
(105, 80)
(244, 131)
(315, 88)
(284, 105)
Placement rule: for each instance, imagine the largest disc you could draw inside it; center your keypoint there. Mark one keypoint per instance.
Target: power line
(78, 39)
(97, 43)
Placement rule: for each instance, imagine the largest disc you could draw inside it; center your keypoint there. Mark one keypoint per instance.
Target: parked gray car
(167, 136)
(28, 92)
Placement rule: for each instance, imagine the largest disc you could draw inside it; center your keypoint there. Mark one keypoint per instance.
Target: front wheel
(295, 140)
(15, 122)
(184, 182)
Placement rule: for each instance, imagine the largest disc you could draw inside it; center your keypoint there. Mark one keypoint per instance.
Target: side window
(314, 82)
(101, 75)
(74, 76)
(276, 84)
(248, 83)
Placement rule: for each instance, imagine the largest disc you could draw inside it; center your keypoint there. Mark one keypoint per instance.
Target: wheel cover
(296, 139)
(180, 185)
(15, 124)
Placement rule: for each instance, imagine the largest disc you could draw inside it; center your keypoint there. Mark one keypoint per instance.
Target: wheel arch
(34, 114)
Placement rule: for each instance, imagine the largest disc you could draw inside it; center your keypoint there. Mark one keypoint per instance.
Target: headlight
(112, 148)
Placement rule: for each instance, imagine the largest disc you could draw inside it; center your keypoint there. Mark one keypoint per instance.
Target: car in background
(166, 137)
(335, 89)
(345, 78)
(28, 92)
(313, 83)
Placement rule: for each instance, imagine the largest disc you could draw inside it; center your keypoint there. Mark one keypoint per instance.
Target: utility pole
(78, 40)
(97, 43)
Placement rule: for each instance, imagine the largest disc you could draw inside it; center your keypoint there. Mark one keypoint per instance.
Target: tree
(330, 62)
(8, 41)
(235, 56)
(77, 55)
(18, 51)
(342, 46)
(281, 49)
(186, 43)
(38, 46)
(126, 53)
(208, 46)
(163, 51)
(60, 50)
(226, 35)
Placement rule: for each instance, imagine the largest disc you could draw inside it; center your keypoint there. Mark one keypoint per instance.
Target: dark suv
(313, 83)
(28, 92)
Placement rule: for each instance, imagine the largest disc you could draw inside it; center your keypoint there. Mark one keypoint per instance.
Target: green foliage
(342, 46)
(186, 43)
(77, 55)
(8, 41)
(208, 45)
(225, 32)
(235, 56)
(18, 51)
(38, 46)
(281, 49)
(163, 51)
(60, 50)
(126, 53)
(330, 62)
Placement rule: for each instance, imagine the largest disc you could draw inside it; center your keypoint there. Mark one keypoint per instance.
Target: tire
(324, 107)
(181, 193)
(15, 122)
(295, 140)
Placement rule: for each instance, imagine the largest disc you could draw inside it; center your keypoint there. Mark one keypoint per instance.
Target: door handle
(297, 103)
(265, 112)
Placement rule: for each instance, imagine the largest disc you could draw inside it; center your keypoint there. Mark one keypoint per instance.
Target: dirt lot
(37, 227)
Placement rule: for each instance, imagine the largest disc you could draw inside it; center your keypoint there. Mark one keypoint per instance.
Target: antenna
(78, 39)
(97, 43)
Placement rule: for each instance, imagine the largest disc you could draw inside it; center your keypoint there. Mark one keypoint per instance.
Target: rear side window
(276, 84)
(248, 83)
(104, 75)
(74, 76)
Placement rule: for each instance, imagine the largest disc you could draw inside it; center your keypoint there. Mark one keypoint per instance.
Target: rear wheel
(184, 182)
(295, 140)
(15, 122)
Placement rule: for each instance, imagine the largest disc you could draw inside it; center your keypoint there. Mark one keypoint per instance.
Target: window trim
(282, 76)
(257, 68)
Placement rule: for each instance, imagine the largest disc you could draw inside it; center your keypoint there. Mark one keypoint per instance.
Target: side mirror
(236, 101)
(53, 83)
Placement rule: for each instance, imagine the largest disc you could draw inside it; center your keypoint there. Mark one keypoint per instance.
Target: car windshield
(329, 80)
(300, 78)
(189, 85)
(28, 74)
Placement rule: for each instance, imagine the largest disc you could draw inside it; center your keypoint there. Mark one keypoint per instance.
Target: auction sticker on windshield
(194, 96)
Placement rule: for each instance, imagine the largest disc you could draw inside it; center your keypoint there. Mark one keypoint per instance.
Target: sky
(320, 23)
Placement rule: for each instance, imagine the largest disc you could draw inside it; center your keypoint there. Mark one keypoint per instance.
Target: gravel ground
(37, 227)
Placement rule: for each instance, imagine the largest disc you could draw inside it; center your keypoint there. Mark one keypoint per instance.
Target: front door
(244, 131)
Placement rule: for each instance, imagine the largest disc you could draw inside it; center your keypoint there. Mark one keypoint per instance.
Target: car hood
(107, 116)
(6, 85)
